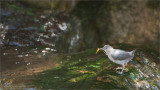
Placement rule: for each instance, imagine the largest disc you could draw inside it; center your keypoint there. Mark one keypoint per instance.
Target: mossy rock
(87, 70)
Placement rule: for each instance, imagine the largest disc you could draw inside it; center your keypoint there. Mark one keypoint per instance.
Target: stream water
(20, 65)
(28, 42)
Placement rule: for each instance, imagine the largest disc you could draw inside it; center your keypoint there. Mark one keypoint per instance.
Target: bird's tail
(132, 52)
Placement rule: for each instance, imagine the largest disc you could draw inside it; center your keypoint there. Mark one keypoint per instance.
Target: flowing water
(20, 65)
(28, 42)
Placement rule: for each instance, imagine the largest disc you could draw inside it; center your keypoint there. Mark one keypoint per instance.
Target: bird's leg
(118, 69)
(122, 69)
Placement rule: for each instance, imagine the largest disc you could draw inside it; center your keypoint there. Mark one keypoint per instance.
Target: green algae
(17, 8)
(86, 70)
(74, 73)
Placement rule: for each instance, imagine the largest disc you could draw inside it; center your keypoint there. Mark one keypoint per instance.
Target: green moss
(33, 47)
(76, 74)
(33, 4)
(86, 70)
(29, 11)
(150, 51)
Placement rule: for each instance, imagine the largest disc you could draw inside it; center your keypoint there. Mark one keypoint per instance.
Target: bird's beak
(97, 50)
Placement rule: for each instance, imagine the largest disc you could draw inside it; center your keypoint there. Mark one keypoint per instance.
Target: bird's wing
(120, 55)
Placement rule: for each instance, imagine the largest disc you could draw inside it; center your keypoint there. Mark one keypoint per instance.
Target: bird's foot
(119, 68)
(119, 72)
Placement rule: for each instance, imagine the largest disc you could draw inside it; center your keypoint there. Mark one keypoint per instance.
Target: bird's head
(106, 47)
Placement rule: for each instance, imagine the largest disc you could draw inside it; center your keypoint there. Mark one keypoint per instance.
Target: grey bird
(118, 56)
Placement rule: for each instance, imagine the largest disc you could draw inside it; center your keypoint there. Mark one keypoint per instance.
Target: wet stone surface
(86, 70)
(29, 41)
(21, 26)
(19, 65)
(23, 30)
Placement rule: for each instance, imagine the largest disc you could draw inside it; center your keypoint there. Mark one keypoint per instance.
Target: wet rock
(153, 64)
(31, 28)
(5, 12)
(1, 43)
(17, 62)
(146, 61)
(35, 51)
(12, 43)
(28, 63)
(48, 49)
(29, 89)
(158, 83)
(43, 16)
(44, 28)
(62, 26)
(26, 55)
(20, 55)
(4, 53)
(53, 50)
(73, 42)
(4, 85)
(143, 84)
(132, 76)
(154, 87)
(11, 27)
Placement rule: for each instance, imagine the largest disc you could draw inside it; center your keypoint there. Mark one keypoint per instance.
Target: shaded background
(95, 23)
(110, 21)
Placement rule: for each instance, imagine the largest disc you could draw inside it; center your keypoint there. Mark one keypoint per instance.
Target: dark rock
(12, 43)
(31, 28)
(5, 12)
(11, 27)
